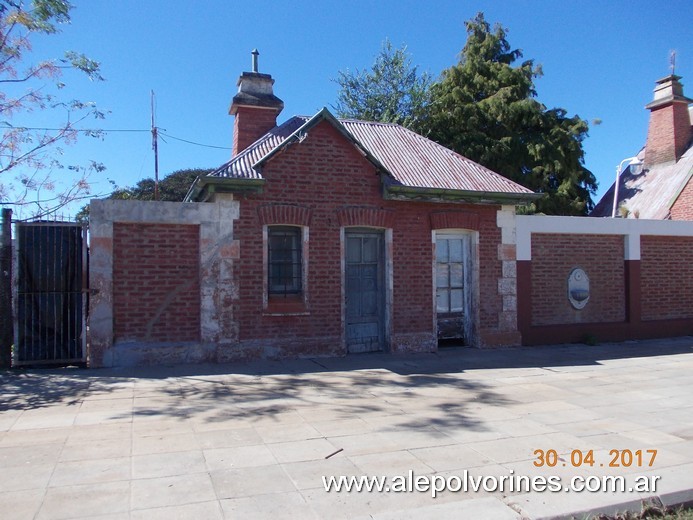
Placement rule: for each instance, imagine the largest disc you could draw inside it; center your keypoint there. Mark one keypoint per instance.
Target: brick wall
(325, 174)
(640, 278)
(667, 277)
(668, 134)
(683, 207)
(250, 124)
(553, 259)
(156, 285)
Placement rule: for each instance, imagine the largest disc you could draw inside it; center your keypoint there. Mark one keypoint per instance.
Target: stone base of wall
(409, 343)
(129, 354)
(126, 354)
(492, 338)
(95, 355)
(251, 350)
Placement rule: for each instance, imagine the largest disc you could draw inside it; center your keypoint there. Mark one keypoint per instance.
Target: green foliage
(28, 86)
(392, 91)
(172, 188)
(485, 109)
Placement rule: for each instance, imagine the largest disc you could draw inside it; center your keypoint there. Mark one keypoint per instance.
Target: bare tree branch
(25, 150)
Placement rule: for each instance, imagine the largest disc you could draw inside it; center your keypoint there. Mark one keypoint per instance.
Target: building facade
(341, 237)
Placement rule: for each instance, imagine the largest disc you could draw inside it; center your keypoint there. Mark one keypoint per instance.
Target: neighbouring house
(662, 187)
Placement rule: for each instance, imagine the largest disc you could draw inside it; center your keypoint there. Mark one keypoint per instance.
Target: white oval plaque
(578, 288)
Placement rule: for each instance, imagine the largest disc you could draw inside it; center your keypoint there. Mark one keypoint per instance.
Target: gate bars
(51, 293)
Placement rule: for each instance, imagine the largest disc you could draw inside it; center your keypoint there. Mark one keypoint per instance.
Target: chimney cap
(671, 77)
(668, 90)
(255, 90)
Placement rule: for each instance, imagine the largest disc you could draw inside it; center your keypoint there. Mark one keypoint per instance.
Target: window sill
(291, 306)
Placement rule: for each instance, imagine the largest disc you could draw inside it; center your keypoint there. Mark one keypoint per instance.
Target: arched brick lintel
(455, 220)
(368, 217)
(289, 214)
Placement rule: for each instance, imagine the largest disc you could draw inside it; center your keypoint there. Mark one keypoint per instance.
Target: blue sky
(600, 60)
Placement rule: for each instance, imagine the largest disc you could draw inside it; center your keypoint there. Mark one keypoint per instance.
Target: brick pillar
(507, 283)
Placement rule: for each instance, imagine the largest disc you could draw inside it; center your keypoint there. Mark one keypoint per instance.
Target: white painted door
(452, 278)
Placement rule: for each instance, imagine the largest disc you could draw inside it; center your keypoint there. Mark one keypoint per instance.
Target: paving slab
(245, 482)
(254, 440)
(197, 511)
(85, 500)
(171, 491)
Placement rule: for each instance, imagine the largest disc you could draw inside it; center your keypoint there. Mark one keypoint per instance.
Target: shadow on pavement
(347, 387)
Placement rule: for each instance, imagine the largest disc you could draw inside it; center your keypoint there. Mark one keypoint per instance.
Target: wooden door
(365, 291)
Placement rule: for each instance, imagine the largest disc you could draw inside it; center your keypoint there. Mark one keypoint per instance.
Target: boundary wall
(640, 279)
(161, 282)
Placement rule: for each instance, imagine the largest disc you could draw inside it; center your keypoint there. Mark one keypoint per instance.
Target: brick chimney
(669, 133)
(255, 107)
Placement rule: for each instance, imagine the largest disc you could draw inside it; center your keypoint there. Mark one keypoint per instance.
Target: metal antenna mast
(155, 147)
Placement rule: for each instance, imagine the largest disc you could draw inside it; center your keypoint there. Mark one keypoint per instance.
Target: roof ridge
(365, 122)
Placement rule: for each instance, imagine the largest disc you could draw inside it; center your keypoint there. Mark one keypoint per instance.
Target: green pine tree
(392, 91)
(485, 109)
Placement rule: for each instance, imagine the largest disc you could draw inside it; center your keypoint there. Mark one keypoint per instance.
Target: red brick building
(356, 236)
(661, 187)
(326, 237)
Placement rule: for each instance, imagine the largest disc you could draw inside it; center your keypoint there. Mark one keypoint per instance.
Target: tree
(485, 109)
(173, 187)
(29, 156)
(392, 91)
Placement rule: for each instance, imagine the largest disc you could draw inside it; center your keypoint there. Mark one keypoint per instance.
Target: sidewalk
(252, 440)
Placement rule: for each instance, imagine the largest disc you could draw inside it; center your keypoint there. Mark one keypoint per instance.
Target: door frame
(386, 315)
(471, 285)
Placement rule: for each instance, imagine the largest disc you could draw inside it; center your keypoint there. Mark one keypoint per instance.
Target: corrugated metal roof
(241, 166)
(651, 194)
(418, 162)
(409, 158)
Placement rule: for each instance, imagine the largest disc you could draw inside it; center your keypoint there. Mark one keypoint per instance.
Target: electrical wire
(192, 142)
(38, 129)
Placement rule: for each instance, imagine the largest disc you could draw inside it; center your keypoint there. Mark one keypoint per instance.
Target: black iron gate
(50, 309)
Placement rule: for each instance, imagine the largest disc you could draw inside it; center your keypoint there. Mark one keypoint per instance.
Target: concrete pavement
(254, 440)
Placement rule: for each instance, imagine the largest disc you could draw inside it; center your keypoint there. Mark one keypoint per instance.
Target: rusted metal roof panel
(408, 158)
(418, 162)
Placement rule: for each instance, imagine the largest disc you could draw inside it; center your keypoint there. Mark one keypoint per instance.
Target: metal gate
(51, 303)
